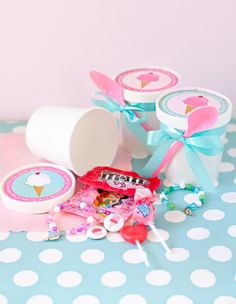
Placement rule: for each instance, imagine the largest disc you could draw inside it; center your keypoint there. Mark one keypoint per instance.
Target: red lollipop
(136, 235)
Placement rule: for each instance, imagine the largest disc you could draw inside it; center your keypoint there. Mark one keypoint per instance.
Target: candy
(119, 181)
(113, 222)
(89, 201)
(144, 212)
(136, 235)
(96, 233)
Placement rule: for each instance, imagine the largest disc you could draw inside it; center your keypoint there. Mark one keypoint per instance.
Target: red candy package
(119, 181)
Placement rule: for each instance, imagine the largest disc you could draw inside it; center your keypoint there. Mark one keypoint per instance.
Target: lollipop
(136, 235)
(144, 212)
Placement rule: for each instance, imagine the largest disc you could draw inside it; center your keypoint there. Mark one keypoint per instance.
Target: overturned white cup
(76, 138)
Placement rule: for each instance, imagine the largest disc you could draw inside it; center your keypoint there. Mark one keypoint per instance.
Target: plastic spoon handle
(163, 243)
(142, 253)
(171, 153)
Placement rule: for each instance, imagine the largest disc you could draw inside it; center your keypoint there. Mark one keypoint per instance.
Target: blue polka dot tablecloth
(201, 268)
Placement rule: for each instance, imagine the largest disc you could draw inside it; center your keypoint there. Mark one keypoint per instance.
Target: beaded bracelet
(54, 233)
(188, 210)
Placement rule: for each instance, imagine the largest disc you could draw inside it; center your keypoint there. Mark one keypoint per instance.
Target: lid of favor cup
(146, 84)
(37, 188)
(173, 108)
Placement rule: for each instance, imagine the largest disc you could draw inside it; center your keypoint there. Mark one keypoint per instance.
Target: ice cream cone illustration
(144, 83)
(38, 189)
(194, 102)
(147, 78)
(38, 181)
(188, 109)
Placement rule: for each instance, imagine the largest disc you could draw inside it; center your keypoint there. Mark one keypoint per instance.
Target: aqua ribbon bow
(107, 102)
(206, 142)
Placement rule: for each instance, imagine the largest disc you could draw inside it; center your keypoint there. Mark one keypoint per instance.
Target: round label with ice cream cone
(173, 108)
(147, 80)
(37, 188)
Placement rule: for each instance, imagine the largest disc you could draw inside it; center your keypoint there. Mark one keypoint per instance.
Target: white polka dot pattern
(158, 277)
(79, 270)
(40, 299)
(50, 256)
(133, 298)
(69, 279)
(25, 278)
(92, 256)
(113, 279)
(10, 255)
(203, 278)
(198, 233)
(86, 299)
(179, 299)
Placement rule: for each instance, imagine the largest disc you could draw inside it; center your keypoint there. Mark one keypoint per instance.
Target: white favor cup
(76, 138)
(172, 110)
(143, 87)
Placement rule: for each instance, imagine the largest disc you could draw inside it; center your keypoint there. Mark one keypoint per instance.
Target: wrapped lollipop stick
(144, 212)
(157, 234)
(142, 253)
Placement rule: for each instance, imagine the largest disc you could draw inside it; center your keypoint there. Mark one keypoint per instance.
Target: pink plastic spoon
(199, 120)
(108, 86)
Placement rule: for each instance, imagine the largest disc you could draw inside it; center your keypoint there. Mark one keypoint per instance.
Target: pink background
(48, 47)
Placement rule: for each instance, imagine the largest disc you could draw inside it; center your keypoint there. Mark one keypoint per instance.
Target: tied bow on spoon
(111, 98)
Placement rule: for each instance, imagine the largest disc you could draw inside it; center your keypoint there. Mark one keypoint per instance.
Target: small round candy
(90, 219)
(96, 232)
(113, 222)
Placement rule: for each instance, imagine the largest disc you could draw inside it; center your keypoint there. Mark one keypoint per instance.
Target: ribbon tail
(155, 160)
(199, 169)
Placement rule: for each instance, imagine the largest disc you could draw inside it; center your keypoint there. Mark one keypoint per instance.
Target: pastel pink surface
(15, 154)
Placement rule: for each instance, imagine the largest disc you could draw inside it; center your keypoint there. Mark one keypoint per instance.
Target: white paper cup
(76, 138)
(131, 142)
(136, 91)
(171, 110)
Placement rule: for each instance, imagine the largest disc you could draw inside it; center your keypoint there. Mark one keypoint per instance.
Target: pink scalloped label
(37, 184)
(147, 80)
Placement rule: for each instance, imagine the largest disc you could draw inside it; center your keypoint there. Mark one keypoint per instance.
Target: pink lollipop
(144, 212)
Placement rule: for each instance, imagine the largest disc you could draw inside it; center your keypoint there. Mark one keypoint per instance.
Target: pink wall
(47, 47)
